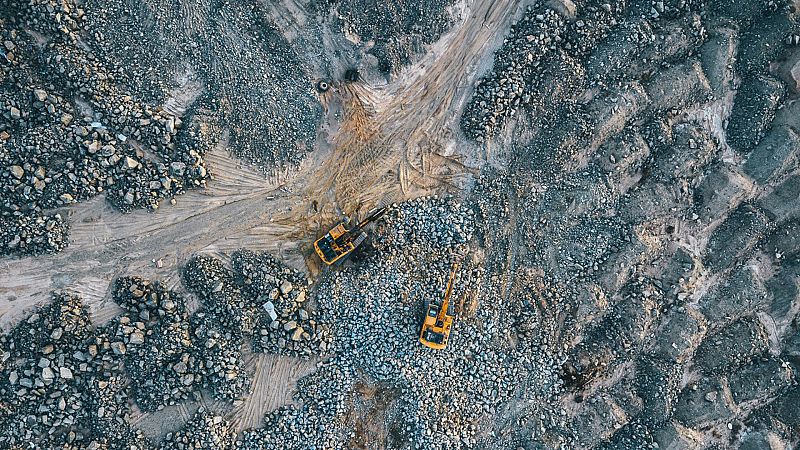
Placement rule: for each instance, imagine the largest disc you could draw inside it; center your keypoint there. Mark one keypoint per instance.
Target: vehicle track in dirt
(396, 151)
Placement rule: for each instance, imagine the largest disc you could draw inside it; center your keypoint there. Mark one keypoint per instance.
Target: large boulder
(735, 236)
(774, 155)
(732, 346)
(753, 111)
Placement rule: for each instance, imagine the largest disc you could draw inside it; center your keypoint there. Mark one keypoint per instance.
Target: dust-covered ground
(618, 182)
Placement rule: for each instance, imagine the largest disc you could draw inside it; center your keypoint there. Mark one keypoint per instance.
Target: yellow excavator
(437, 323)
(342, 239)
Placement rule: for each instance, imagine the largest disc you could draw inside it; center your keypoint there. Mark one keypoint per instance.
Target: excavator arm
(372, 217)
(447, 293)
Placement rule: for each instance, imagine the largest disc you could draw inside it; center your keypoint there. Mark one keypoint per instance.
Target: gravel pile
(61, 383)
(157, 343)
(439, 398)
(516, 73)
(259, 299)
(203, 430)
(393, 32)
(607, 197)
(427, 224)
(219, 350)
(555, 51)
(69, 131)
(283, 322)
(65, 382)
(232, 64)
(539, 67)
(753, 111)
(266, 99)
(626, 280)
(318, 423)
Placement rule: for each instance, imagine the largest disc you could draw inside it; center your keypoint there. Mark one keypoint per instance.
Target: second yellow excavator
(436, 326)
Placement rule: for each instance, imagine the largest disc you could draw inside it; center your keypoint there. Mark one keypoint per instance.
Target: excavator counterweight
(436, 325)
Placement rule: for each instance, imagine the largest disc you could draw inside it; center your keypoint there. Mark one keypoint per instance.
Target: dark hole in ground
(351, 75)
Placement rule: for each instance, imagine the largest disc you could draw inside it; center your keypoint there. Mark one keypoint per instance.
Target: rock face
(753, 111)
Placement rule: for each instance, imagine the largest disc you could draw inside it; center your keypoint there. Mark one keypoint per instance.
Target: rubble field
(617, 182)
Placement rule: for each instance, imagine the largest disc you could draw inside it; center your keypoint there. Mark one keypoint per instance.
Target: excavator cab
(342, 239)
(437, 323)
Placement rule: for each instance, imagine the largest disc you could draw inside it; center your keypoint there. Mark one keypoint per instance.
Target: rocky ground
(626, 220)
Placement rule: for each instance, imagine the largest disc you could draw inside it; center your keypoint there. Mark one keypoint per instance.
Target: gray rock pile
(69, 131)
(515, 78)
(61, 383)
(667, 341)
(156, 343)
(259, 299)
(219, 351)
(66, 383)
(399, 31)
(754, 111)
(203, 430)
(437, 224)
(437, 398)
(629, 260)
(234, 65)
(283, 322)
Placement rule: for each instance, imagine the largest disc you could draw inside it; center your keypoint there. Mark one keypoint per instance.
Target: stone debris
(65, 378)
(57, 152)
(399, 30)
(753, 111)
(203, 430)
(628, 245)
(254, 84)
(516, 76)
